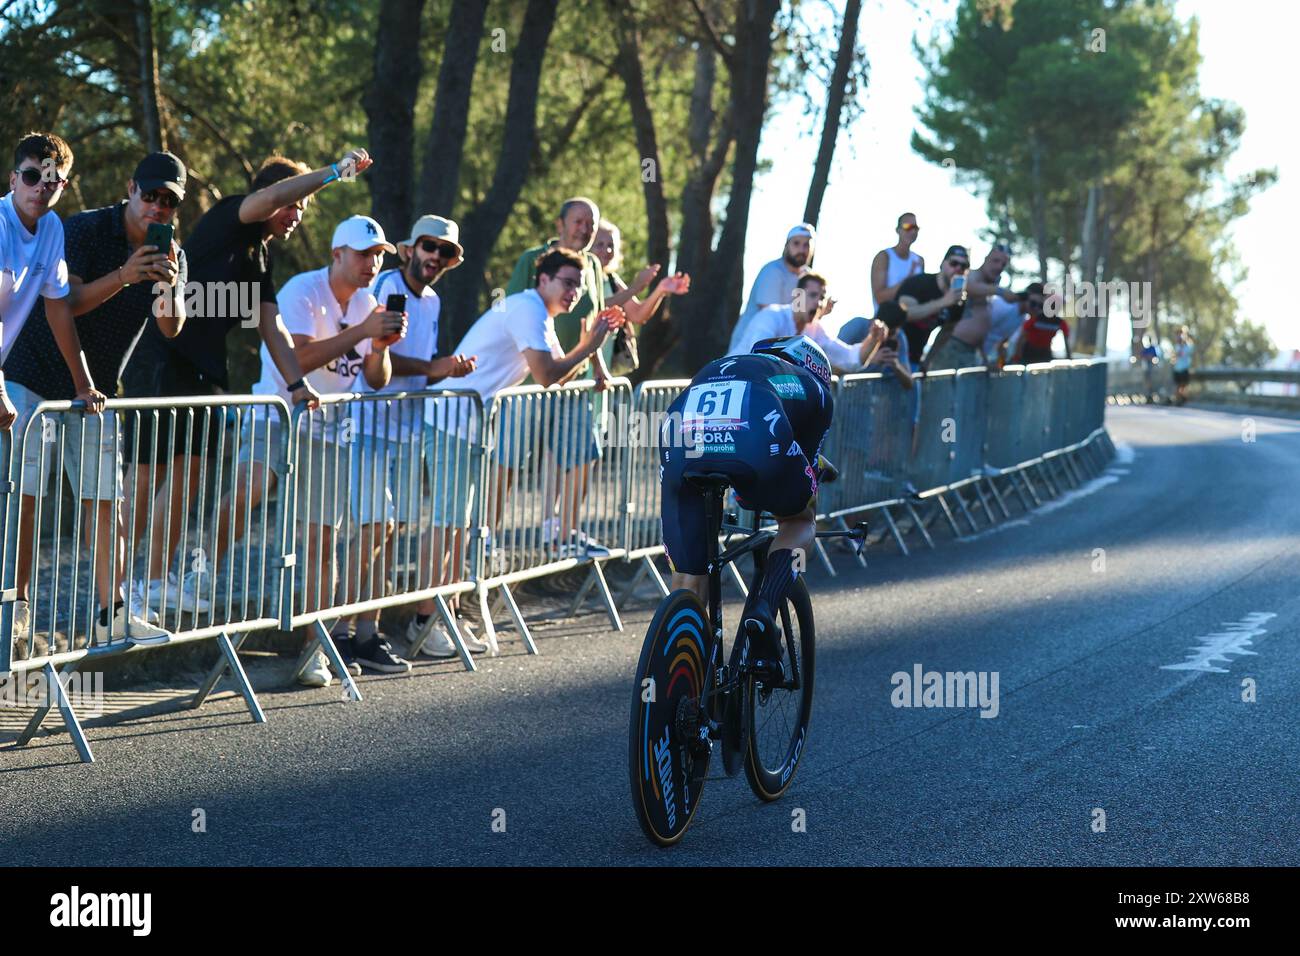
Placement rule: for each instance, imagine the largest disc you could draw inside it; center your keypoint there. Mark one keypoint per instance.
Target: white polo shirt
(30, 266)
(499, 339)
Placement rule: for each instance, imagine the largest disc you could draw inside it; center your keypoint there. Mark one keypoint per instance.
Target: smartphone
(160, 235)
(958, 283)
(396, 302)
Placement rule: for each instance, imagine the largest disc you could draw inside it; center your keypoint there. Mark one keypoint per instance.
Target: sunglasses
(31, 175)
(444, 249)
(160, 197)
(567, 283)
(906, 227)
(958, 264)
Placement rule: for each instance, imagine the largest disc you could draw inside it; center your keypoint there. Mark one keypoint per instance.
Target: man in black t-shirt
(117, 280)
(931, 301)
(230, 264)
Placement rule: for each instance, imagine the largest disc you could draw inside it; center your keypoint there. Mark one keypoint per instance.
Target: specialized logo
(772, 418)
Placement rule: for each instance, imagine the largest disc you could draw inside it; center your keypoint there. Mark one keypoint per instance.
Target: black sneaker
(764, 636)
(375, 654)
(347, 652)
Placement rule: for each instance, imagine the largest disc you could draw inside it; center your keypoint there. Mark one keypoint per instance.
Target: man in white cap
(775, 282)
(394, 436)
(340, 335)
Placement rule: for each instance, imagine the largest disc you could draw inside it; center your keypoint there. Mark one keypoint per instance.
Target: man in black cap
(931, 301)
(117, 280)
(230, 258)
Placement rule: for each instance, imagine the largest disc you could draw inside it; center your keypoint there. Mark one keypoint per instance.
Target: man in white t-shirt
(395, 432)
(803, 317)
(339, 334)
(775, 282)
(32, 263)
(510, 342)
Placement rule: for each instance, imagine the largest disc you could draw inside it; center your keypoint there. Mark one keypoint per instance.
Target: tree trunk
(1038, 203)
(390, 113)
(461, 288)
(440, 176)
(705, 337)
(1085, 331)
(148, 77)
(834, 109)
(708, 153)
(628, 43)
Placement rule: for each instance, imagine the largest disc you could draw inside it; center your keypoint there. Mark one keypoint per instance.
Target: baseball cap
(435, 227)
(360, 233)
(957, 250)
(161, 171)
(803, 229)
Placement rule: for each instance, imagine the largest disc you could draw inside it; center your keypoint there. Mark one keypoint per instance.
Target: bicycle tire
(770, 782)
(666, 778)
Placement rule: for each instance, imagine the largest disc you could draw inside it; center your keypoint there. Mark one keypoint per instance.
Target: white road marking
(1215, 648)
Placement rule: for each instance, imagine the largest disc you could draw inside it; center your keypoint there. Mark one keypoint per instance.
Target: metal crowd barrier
(1131, 380)
(555, 487)
(372, 527)
(82, 536)
(297, 519)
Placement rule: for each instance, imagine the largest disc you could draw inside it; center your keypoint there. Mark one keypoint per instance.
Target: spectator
(230, 248)
(578, 445)
(1184, 346)
(1150, 358)
(340, 333)
(608, 248)
(32, 265)
(888, 270)
(961, 340)
(775, 282)
(803, 317)
(929, 301)
(432, 250)
(116, 278)
(512, 342)
(1005, 319)
(892, 355)
(1038, 330)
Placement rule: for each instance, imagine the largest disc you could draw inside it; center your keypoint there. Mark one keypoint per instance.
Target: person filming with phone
(122, 260)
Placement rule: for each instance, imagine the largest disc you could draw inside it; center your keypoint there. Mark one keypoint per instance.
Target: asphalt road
(1197, 530)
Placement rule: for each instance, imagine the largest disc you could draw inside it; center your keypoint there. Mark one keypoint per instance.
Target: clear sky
(1245, 46)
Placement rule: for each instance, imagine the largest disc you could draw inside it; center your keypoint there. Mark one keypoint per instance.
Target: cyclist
(760, 419)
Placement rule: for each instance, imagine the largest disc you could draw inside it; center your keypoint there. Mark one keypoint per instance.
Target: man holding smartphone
(116, 275)
(394, 438)
(230, 247)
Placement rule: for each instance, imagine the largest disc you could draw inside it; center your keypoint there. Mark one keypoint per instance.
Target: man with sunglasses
(1033, 340)
(888, 270)
(391, 437)
(961, 342)
(32, 265)
(229, 247)
(117, 280)
(930, 300)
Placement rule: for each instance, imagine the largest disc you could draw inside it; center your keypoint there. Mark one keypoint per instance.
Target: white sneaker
(438, 644)
(139, 604)
(317, 672)
(188, 596)
(126, 624)
(472, 643)
(22, 628)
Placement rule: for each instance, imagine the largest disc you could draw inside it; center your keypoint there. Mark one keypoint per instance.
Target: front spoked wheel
(779, 711)
(668, 745)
